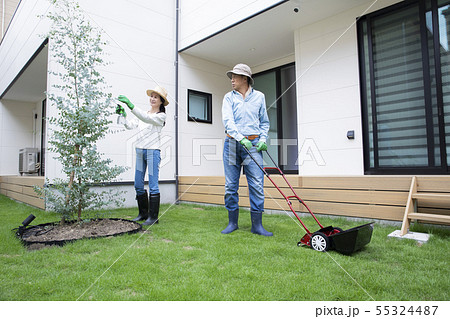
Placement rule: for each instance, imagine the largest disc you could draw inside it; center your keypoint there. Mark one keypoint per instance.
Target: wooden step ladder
(412, 204)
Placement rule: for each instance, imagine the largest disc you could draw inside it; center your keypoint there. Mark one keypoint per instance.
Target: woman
(148, 151)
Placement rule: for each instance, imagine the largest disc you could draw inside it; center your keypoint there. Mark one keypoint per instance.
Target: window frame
(364, 91)
(208, 107)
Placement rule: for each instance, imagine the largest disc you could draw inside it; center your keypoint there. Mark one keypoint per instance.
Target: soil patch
(56, 234)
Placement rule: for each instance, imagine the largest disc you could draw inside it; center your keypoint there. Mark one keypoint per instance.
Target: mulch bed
(36, 237)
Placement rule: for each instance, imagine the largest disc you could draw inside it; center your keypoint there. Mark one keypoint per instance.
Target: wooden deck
(377, 197)
(20, 188)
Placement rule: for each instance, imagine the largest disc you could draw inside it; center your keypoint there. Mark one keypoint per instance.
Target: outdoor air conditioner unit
(28, 160)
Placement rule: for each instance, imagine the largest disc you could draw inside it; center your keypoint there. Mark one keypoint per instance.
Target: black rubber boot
(143, 207)
(257, 227)
(232, 222)
(153, 203)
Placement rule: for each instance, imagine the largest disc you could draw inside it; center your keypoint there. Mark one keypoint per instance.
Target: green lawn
(185, 257)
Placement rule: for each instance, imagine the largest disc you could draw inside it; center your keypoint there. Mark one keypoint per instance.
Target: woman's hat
(241, 69)
(161, 92)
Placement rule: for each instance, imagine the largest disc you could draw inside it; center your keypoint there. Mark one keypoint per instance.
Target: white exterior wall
(141, 48)
(14, 117)
(142, 54)
(200, 19)
(18, 129)
(201, 144)
(328, 95)
(22, 39)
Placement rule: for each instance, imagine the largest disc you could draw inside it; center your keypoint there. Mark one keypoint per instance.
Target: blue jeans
(144, 158)
(234, 157)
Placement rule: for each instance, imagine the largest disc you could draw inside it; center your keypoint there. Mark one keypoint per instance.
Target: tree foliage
(84, 107)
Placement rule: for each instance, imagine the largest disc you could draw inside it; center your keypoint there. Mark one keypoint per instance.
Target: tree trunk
(72, 177)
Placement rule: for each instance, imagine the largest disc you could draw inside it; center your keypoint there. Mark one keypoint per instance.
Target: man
(246, 124)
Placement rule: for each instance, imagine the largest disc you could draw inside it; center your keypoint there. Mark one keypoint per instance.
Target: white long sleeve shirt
(149, 126)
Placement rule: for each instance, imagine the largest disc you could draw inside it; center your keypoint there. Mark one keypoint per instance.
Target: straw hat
(241, 69)
(161, 92)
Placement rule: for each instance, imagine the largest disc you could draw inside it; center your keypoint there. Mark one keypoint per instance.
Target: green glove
(124, 99)
(247, 144)
(120, 110)
(261, 146)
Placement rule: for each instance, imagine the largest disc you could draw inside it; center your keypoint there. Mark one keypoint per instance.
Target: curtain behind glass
(399, 90)
(444, 46)
(289, 155)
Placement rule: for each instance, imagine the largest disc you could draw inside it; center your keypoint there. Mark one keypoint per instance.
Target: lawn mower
(326, 238)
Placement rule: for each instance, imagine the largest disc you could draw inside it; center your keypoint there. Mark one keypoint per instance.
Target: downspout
(176, 100)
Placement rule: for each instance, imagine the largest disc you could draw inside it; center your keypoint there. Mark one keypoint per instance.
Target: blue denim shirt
(245, 117)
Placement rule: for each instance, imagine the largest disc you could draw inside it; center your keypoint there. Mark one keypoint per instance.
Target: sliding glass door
(278, 85)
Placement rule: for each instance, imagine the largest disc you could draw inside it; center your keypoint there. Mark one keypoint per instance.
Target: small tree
(84, 107)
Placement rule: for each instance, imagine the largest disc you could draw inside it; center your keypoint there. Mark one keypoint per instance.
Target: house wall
(201, 144)
(328, 94)
(22, 39)
(141, 52)
(6, 15)
(201, 19)
(14, 117)
(141, 48)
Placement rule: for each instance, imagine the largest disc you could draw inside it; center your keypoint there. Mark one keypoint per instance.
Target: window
(199, 106)
(405, 76)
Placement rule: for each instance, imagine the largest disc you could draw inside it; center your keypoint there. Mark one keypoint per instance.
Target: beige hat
(241, 69)
(161, 92)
